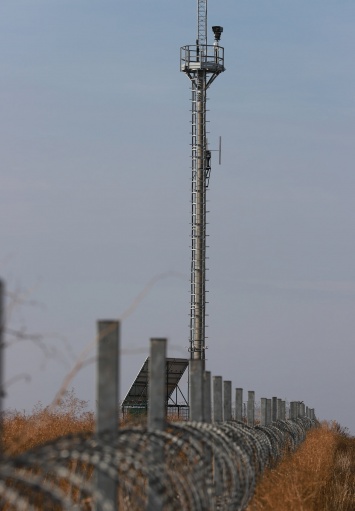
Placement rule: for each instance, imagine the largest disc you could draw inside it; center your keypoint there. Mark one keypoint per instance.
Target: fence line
(194, 465)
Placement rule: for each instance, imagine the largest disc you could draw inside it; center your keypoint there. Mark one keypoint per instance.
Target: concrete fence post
(297, 409)
(157, 403)
(279, 411)
(302, 409)
(239, 405)
(268, 412)
(207, 409)
(293, 410)
(263, 416)
(209, 461)
(2, 354)
(196, 390)
(217, 417)
(274, 409)
(157, 385)
(227, 400)
(283, 410)
(251, 408)
(217, 399)
(107, 394)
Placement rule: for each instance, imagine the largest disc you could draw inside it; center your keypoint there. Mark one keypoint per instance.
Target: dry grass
(23, 431)
(339, 492)
(320, 476)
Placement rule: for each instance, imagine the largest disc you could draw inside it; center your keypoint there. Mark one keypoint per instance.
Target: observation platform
(208, 58)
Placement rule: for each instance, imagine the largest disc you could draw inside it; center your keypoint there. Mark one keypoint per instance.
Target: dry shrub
(23, 431)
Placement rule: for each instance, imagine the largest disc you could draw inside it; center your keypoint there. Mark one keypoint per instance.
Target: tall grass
(339, 492)
(320, 476)
(23, 431)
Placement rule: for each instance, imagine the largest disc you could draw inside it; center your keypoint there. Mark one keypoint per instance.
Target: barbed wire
(204, 466)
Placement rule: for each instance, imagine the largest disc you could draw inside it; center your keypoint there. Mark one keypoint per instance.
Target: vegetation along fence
(210, 462)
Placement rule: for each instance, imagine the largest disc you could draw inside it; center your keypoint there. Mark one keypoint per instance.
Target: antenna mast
(202, 63)
(202, 22)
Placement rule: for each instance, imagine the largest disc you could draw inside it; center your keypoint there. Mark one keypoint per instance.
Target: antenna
(202, 63)
(202, 22)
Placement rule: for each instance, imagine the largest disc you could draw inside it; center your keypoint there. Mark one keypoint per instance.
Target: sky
(95, 193)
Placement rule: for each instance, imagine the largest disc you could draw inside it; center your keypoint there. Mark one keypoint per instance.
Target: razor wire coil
(205, 466)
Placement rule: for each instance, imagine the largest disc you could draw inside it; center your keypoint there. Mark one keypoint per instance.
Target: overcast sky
(95, 191)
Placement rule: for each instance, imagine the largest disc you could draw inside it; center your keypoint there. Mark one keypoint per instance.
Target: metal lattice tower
(202, 63)
(202, 22)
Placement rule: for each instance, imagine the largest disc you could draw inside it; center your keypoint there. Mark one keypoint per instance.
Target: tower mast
(202, 22)
(202, 63)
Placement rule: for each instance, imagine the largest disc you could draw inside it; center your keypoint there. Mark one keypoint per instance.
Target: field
(319, 476)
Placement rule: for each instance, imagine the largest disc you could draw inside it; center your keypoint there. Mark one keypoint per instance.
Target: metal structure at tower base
(202, 63)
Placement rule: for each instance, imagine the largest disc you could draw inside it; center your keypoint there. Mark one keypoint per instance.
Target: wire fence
(204, 467)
